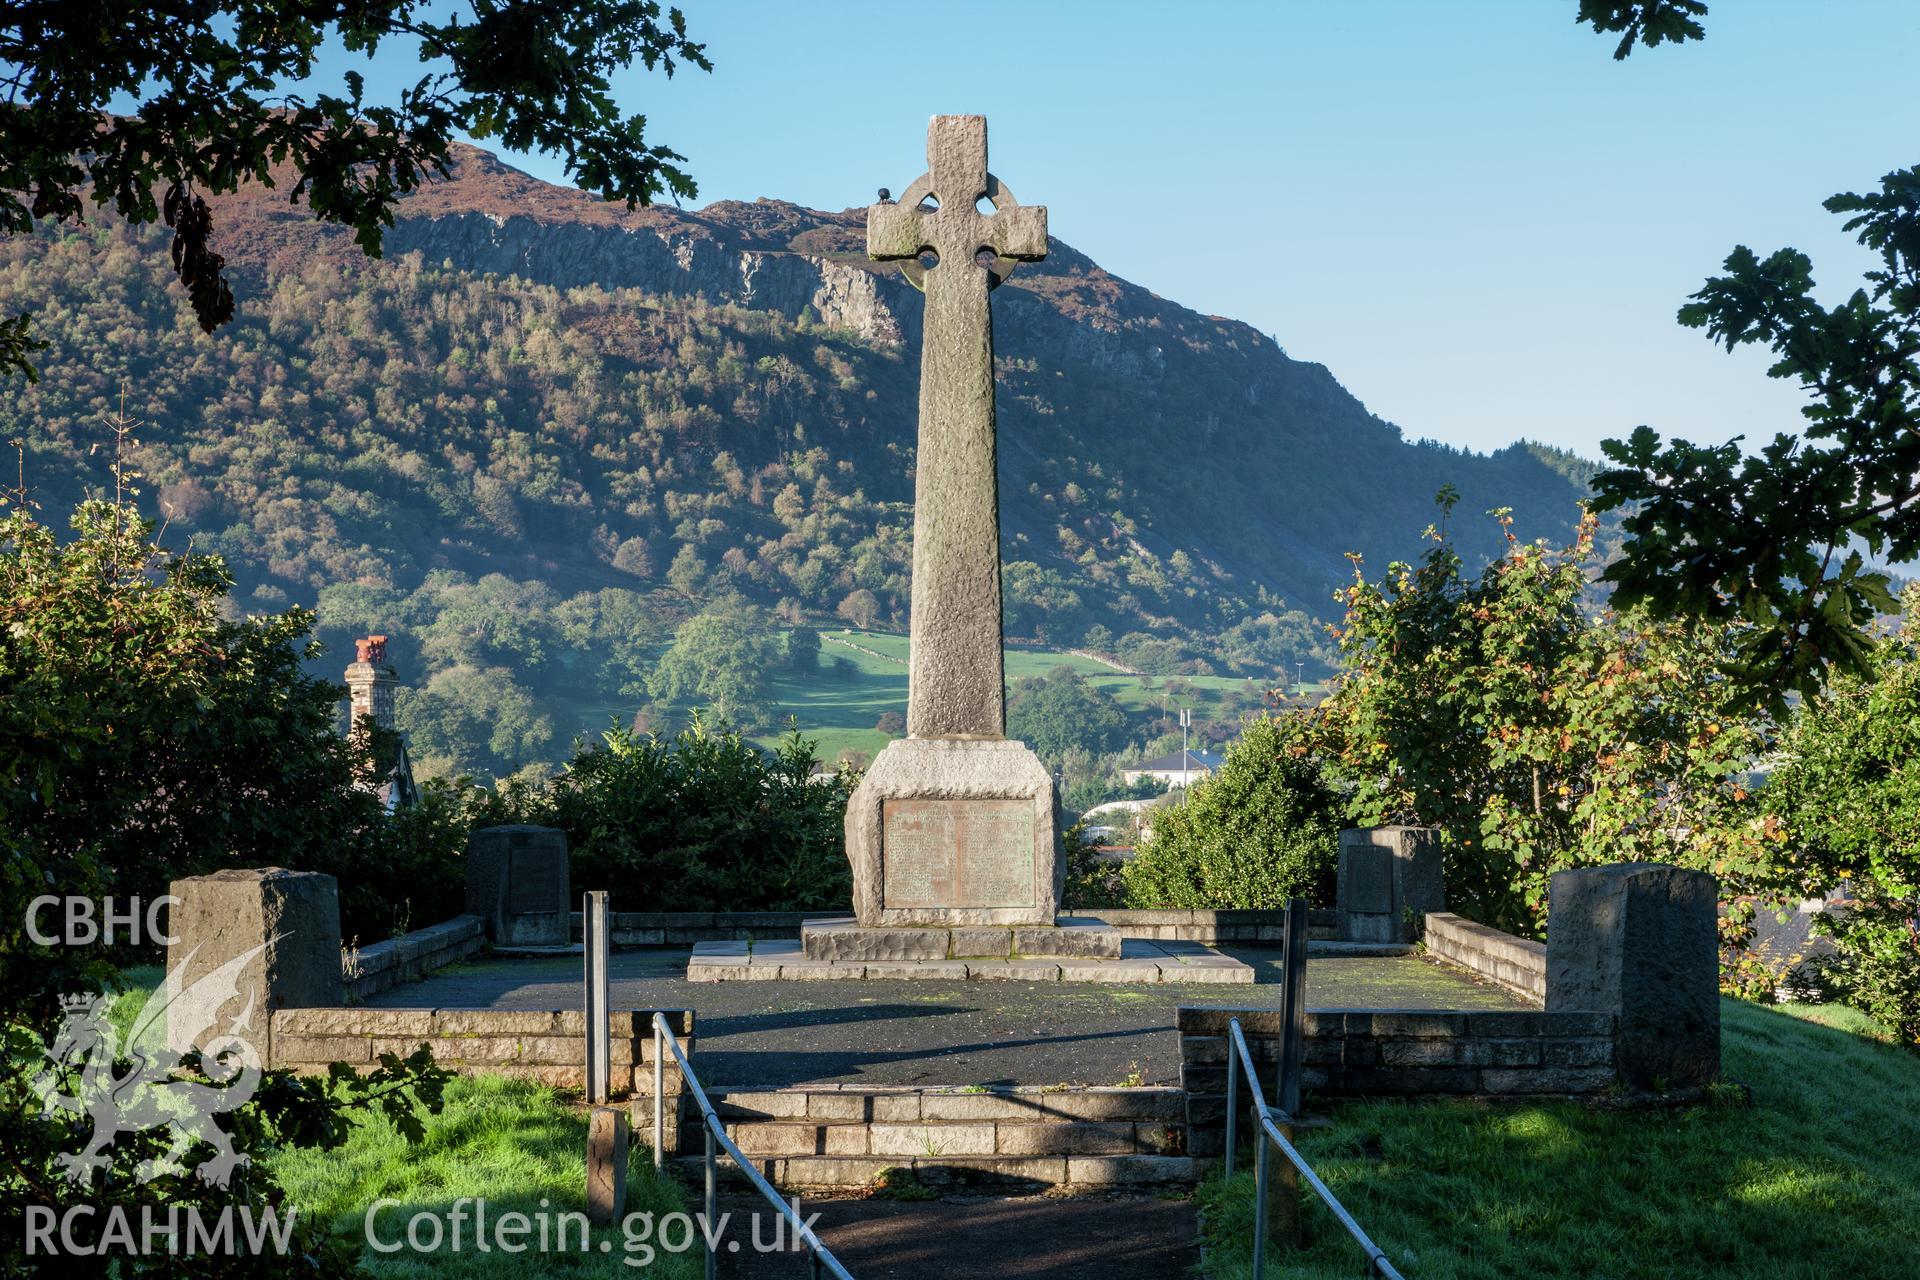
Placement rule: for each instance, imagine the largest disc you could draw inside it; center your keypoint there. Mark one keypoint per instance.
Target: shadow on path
(1058, 1237)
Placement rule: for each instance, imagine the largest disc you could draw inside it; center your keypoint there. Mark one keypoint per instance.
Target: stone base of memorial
(946, 833)
(1139, 961)
(1070, 938)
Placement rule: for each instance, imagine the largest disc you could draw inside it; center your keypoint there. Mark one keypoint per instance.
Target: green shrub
(1263, 829)
(145, 736)
(703, 821)
(1846, 801)
(1537, 733)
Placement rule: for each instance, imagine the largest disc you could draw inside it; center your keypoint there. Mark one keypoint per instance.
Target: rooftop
(1173, 763)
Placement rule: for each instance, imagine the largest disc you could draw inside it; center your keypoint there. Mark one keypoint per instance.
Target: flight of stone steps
(1009, 1137)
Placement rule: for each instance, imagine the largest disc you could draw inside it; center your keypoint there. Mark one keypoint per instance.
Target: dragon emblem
(151, 1091)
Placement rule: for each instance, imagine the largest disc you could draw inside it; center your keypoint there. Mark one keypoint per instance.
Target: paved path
(772, 1034)
(1060, 1238)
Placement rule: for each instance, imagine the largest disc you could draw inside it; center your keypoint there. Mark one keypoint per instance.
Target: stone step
(952, 1138)
(1001, 1173)
(836, 1104)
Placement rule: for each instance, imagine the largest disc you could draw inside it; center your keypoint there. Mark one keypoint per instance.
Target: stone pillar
(1639, 940)
(517, 883)
(1390, 878)
(266, 937)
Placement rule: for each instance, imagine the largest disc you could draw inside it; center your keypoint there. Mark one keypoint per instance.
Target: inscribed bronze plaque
(957, 853)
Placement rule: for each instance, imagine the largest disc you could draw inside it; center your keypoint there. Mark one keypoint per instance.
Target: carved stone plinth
(846, 939)
(954, 831)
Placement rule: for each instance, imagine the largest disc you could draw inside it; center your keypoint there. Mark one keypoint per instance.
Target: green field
(840, 711)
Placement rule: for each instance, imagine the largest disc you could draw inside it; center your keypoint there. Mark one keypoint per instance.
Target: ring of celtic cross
(996, 193)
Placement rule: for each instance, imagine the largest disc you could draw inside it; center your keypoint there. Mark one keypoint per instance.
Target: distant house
(1113, 827)
(1176, 770)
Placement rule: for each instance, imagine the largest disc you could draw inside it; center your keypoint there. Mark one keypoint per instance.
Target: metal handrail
(716, 1133)
(1377, 1263)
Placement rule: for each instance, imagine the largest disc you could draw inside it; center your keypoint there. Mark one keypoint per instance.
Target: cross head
(938, 212)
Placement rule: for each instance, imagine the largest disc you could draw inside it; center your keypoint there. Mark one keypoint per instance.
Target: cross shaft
(955, 684)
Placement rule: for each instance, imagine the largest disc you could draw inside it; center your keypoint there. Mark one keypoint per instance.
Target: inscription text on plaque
(957, 853)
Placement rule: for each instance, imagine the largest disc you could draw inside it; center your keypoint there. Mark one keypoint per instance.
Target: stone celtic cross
(955, 681)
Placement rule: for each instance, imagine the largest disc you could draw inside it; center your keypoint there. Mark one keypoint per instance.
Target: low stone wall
(546, 1046)
(413, 955)
(1210, 928)
(684, 928)
(1396, 1053)
(1518, 964)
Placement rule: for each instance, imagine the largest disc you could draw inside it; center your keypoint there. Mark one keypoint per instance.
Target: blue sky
(1467, 210)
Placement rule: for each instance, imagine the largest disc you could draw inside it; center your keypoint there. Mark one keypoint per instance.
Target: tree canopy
(1060, 711)
(1845, 801)
(722, 659)
(1537, 731)
(1647, 22)
(1776, 538)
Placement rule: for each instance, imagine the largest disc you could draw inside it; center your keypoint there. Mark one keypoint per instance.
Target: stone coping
(1139, 962)
(1120, 917)
(1258, 1024)
(363, 1021)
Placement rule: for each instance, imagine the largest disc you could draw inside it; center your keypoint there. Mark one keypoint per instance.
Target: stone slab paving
(917, 1032)
(1078, 1237)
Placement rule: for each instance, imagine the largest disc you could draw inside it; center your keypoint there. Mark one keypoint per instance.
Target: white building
(1176, 770)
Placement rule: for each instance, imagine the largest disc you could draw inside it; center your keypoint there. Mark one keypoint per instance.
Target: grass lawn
(508, 1142)
(1820, 1177)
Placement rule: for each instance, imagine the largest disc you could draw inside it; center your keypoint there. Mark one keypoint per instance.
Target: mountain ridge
(677, 405)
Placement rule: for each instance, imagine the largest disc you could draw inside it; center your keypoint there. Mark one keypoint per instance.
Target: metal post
(1260, 1208)
(593, 912)
(1294, 1041)
(713, 1210)
(1283, 1193)
(1286, 1006)
(1186, 722)
(659, 1094)
(1233, 1091)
